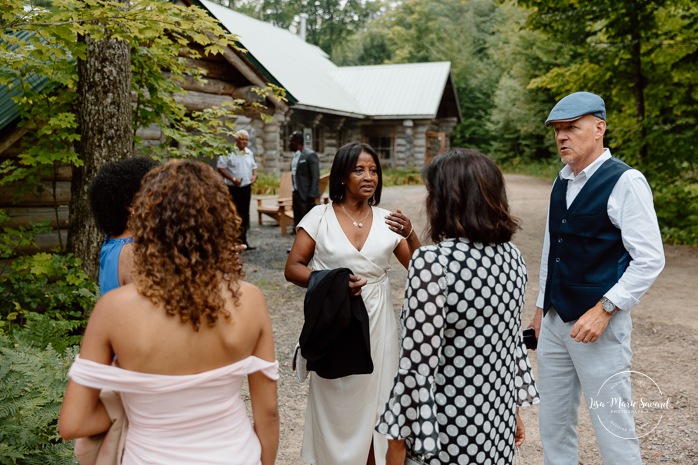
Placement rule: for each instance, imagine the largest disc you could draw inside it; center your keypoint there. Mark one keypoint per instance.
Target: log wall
(225, 82)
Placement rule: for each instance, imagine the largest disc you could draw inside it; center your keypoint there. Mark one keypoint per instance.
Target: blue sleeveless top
(109, 263)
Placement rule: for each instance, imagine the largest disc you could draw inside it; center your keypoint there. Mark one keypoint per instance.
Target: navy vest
(586, 256)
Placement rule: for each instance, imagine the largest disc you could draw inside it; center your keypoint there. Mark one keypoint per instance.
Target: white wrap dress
(341, 413)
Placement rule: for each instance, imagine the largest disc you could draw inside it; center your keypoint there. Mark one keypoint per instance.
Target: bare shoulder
(251, 297)
(118, 303)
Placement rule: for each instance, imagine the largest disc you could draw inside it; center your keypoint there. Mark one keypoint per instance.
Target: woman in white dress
(352, 232)
(184, 334)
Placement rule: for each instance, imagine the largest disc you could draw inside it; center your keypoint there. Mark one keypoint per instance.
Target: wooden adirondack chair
(281, 208)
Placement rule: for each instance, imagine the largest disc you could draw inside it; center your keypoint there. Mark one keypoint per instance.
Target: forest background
(511, 60)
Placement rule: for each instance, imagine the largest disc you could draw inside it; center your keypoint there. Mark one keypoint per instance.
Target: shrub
(402, 177)
(32, 384)
(266, 184)
(676, 204)
(49, 284)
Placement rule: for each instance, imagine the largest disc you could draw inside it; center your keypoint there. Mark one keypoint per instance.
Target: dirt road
(664, 338)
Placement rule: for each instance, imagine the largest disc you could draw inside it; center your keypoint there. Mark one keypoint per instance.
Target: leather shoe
(250, 247)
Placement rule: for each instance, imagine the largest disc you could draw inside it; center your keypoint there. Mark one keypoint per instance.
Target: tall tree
(609, 40)
(104, 124)
(329, 22)
(38, 45)
(450, 30)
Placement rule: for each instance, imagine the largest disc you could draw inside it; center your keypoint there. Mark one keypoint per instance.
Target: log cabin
(406, 111)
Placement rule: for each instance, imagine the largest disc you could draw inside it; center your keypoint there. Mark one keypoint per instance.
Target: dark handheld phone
(529, 338)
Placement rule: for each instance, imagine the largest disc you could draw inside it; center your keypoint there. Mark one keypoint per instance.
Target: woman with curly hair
(111, 195)
(185, 333)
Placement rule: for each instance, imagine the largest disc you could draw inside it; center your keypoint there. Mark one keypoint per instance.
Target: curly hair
(186, 231)
(112, 192)
(344, 163)
(466, 197)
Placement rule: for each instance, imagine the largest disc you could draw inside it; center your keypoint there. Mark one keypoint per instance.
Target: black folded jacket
(335, 336)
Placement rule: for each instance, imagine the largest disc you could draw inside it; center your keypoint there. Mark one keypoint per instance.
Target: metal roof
(303, 69)
(9, 111)
(412, 90)
(311, 80)
(403, 91)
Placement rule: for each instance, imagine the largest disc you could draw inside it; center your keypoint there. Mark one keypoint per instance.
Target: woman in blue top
(111, 195)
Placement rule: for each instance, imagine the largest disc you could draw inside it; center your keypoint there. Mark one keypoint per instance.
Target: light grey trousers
(567, 368)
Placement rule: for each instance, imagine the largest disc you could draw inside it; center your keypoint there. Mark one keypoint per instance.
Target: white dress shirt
(630, 209)
(240, 164)
(294, 166)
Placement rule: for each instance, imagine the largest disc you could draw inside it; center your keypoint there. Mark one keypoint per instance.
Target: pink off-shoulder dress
(182, 419)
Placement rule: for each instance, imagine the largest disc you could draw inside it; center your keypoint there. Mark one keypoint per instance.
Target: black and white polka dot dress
(463, 367)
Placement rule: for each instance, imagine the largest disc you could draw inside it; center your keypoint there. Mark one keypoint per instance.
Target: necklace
(359, 223)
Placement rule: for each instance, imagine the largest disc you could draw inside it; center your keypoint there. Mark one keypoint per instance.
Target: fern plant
(32, 384)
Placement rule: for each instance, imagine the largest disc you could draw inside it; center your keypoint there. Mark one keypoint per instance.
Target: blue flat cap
(576, 105)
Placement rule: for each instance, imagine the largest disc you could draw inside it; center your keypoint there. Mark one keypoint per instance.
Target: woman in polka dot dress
(463, 369)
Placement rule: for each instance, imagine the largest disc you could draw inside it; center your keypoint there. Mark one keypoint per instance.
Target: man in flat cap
(602, 251)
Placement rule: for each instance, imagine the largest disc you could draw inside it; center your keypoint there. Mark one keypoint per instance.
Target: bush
(266, 184)
(45, 301)
(676, 204)
(402, 177)
(53, 285)
(32, 384)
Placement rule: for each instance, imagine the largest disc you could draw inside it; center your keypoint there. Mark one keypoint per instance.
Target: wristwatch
(608, 306)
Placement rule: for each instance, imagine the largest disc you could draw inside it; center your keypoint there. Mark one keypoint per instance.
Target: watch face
(607, 305)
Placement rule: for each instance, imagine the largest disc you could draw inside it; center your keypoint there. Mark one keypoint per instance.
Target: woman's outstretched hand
(399, 223)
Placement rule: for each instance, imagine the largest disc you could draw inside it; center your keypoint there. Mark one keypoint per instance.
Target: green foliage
(45, 300)
(39, 45)
(546, 169)
(14, 239)
(329, 22)
(32, 384)
(677, 210)
(266, 184)
(401, 177)
(52, 285)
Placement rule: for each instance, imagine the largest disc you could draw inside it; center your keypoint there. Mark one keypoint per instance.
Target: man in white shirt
(602, 251)
(239, 170)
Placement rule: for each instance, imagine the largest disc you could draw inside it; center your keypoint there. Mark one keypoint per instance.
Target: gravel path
(664, 336)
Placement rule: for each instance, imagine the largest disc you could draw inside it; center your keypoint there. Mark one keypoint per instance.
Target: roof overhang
(245, 56)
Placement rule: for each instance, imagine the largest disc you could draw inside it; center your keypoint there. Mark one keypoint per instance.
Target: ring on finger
(402, 226)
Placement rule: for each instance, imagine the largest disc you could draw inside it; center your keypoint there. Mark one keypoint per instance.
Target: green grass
(268, 184)
(540, 169)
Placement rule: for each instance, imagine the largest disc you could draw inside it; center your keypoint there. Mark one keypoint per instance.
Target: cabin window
(382, 139)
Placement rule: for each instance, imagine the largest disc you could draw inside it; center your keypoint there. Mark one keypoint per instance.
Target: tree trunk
(638, 79)
(104, 118)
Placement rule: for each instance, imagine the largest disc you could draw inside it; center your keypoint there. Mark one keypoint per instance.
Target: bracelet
(411, 229)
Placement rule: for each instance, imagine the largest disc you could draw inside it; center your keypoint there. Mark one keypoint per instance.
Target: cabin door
(436, 145)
